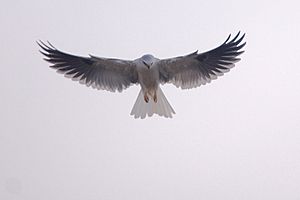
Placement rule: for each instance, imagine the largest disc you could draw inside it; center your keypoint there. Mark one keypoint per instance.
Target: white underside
(162, 107)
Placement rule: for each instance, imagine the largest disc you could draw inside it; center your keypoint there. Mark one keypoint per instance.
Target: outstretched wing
(196, 69)
(101, 73)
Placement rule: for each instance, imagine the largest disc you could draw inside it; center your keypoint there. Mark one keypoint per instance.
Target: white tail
(162, 107)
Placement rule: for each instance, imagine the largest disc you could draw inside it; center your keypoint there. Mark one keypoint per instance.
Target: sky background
(235, 138)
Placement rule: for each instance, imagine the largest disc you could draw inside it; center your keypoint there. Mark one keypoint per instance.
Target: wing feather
(100, 73)
(197, 69)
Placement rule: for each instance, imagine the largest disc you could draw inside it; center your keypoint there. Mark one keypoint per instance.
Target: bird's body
(148, 75)
(109, 74)
(151, 98)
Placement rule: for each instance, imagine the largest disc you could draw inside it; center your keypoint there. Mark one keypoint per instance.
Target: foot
(146, 98)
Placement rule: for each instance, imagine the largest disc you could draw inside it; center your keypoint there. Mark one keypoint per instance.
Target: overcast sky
(235, 138)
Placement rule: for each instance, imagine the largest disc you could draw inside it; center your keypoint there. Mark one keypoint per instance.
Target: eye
(146, 64)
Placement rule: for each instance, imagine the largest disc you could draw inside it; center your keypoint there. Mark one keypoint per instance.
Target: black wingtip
(237, 35)
(227, 39)
(46, 47)
(44, 50)
(242, 45)
(240, 40)
(236, 40)
(51, 45)
(45, 54)
(40, 43)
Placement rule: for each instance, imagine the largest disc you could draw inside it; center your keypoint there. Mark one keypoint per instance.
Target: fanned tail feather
(162, 108)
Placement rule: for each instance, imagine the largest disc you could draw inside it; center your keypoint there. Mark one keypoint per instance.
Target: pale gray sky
(236, 138)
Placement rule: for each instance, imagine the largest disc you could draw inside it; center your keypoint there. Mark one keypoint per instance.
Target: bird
(112, 74)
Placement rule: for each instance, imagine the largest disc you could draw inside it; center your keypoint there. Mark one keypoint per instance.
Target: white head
(148, 60)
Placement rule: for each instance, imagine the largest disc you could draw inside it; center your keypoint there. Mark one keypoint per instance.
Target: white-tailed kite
(188, 71)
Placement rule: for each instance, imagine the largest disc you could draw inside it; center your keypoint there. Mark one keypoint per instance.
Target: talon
(146, 98)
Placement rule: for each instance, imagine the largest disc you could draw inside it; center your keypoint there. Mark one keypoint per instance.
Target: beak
(146, 65)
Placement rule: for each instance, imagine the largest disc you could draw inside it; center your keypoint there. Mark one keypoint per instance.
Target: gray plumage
(113, 75)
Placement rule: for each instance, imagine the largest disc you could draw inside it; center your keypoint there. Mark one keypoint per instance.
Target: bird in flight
(149, 72)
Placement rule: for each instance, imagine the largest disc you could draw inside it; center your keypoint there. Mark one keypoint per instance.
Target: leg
(155, 97)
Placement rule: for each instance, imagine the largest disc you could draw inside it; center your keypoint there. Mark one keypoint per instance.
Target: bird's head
(148, 60)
